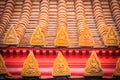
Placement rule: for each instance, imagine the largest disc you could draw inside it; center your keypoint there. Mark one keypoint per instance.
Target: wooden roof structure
(52, 23)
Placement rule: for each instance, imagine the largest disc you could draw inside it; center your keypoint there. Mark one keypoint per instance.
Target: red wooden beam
(76, 57)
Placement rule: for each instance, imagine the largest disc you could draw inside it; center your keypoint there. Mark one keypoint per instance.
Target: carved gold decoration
(93, 66)
(3, 69)
(117, 69)
(60, 67)
(111, 38)
(86, 38)
(30, 66)
(61, 38)
(37, 37)
(11, 37)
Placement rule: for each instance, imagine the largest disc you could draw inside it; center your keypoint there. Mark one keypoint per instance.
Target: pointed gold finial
(37, 38)
(61, 38)
(30, 66)
(60, 67)
(111, 38)
(3, 69)
(11, 37)
(93, 66)
(117, 69)
(86, 38)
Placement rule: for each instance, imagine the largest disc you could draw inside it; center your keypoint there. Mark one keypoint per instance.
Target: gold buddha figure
(11, 37)
(93, 66)
(61, 38)
(85, 39)
(30, 66)
(3, 69)
(37, 38)
(117, 69)
(111, 38)
(60, 67)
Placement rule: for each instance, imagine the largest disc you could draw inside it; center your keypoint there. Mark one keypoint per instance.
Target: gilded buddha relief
(117, 69)
(93, 66)
(60, 66)
(30, 66)
(11, 37)
(85, 38)
(61, 38)
(111, 38)
(3, 69)
(37, 38)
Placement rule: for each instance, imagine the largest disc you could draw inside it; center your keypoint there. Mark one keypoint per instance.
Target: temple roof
(52, 23)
